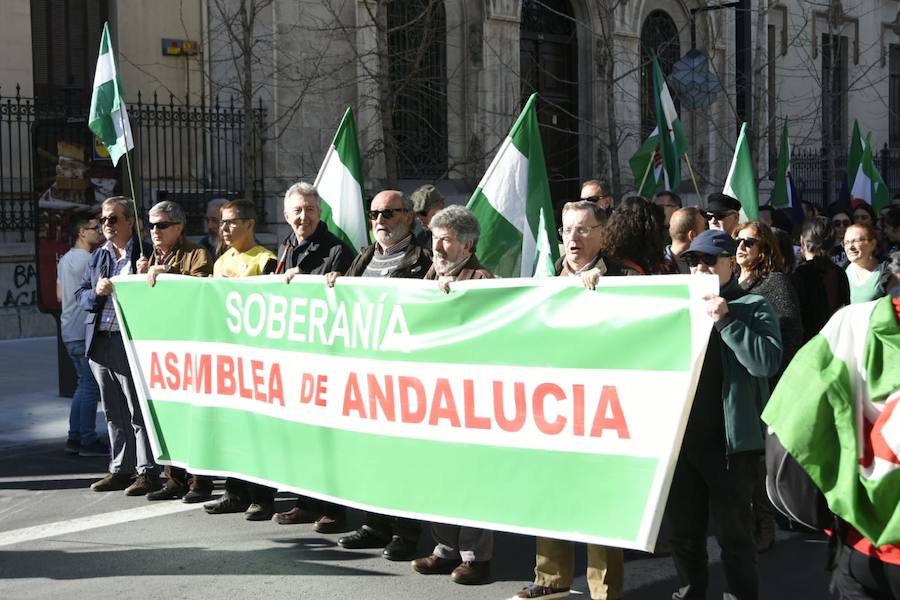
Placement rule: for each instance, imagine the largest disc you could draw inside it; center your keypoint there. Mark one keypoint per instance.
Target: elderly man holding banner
(175, 254)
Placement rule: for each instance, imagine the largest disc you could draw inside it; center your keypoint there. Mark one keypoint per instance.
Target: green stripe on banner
(512, 487)
(487, 326)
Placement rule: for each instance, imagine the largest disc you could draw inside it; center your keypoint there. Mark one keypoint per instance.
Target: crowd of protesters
(779, 283)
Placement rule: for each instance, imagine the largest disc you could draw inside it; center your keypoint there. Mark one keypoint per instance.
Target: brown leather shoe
(295, 516)
(113, 482)
(326, 524)
(472, 573)
(434, 565)
(144, 484)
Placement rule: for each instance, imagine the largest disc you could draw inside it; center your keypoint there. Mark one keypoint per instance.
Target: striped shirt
(382, 264)
(121, 266)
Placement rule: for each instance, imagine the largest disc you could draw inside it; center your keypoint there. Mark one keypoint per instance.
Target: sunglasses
(387, 213)
(596, 199)
(230, 223)
(718, 216)
(162, 225)
(841, 222)
(112, 220)
(695, 259)
(748, 242)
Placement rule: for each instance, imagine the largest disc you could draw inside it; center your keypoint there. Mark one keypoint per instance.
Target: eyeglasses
(579, 231)
(112, 220)
(841, 222)
(748, 242)
(230, 223)
(696, 258)
(387, 213)
(857, 241)
(596, 199)
(719, 216)
(162, 225)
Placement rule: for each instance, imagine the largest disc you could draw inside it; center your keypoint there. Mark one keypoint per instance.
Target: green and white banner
(531, 406)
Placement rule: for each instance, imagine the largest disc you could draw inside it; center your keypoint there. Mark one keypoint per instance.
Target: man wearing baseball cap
(427, 201)
(716, 468)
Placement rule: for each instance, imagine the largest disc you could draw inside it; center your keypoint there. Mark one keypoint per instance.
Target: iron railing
(820, 175)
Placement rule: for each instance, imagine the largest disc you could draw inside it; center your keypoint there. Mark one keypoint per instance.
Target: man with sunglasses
(175, 254)
(723, 212)
(394, 254)
(597, 191)
(131, 467)
(724, 437)
(427, 201)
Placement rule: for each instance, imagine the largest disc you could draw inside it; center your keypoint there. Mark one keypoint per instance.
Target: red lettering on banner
(383, 398)
(173, 380)
(258, 394)
(442, 405)
(411, 412)
(156, 377)
(244, 391)
(352, 398)
(516, 423)
(609, 402)
(225, 376)
(276, 390)
(307, 384)
(578, 409)
(540, 394)
(473, 421)
(203, 377)
(321, 389)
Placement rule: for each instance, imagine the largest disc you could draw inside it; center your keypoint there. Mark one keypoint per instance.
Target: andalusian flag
(641, 161)
(868, 184)
(512, 204)
(783, 195)
(837, 412)
(109, 116)
(741, 182)
(854, 155)
(340, 186)
(672, 144)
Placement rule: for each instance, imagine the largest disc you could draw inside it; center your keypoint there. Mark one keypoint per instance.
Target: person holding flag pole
(108, 119)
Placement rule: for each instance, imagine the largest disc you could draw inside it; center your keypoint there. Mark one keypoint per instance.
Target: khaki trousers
(555, 565)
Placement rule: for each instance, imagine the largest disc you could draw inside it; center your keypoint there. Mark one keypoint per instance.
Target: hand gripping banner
(531, 406)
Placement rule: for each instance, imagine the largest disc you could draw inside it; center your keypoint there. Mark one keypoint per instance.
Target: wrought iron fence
(183, 152)
(820, 175)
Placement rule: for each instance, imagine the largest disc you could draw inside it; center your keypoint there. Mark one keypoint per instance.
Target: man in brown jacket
(463, 552)
(175, 254)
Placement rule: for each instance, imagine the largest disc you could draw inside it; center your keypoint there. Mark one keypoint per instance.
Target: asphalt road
(60, 540)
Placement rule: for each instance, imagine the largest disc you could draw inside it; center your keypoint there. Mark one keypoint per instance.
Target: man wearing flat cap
(723, 212)
(724, 437)
(427, 201)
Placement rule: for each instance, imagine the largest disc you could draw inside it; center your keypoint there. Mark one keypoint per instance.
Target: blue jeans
(83, 412)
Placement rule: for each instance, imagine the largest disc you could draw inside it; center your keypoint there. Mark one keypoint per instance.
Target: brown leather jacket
(471, 269)
(188, 258)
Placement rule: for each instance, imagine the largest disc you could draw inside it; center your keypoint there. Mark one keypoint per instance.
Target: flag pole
(647, 171)
(693, 178)
(137, 214)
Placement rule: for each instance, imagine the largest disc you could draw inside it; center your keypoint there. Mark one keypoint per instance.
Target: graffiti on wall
(18, 284)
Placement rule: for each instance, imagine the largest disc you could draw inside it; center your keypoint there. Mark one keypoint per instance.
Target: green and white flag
(741, 182)
(646, 165)
(783, 194)
(109, 116)
(353, 394)
(340, 186)
(512, 205)
(836, 410)
(868, 185)
(672, 142)
(854, 155)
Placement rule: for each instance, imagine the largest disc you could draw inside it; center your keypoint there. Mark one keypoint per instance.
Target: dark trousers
(249, 492)
(861, 577)
(180, 478)
(329, 509)
(707, 482)
(386, 527)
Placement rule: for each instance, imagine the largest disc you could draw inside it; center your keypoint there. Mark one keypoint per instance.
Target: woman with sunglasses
(865, 269)
(840, 221)
(762, 273)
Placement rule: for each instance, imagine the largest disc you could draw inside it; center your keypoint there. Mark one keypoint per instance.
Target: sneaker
(539, 591)
(72, 446)
(96, 448)
(143, 485)
(260, 512)
(113, 482)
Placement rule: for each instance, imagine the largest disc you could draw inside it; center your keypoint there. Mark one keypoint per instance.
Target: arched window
(417, 47)
(658, 33)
